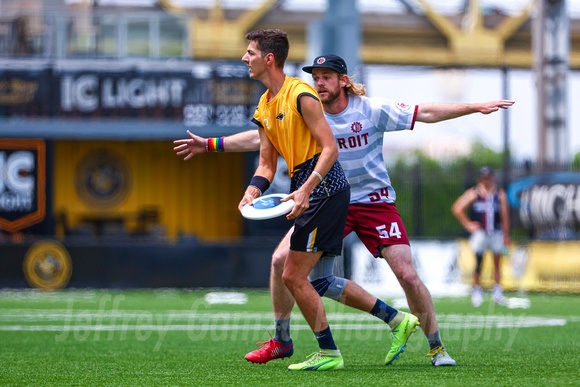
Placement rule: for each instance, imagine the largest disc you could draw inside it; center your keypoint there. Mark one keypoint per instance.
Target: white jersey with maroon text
(359, 131)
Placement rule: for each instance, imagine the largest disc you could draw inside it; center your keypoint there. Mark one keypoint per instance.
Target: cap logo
(321, 60)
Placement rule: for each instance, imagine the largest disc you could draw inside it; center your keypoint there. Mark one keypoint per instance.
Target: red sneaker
(270, 350)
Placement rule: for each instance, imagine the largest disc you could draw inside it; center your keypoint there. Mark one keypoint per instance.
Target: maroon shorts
(377, 225)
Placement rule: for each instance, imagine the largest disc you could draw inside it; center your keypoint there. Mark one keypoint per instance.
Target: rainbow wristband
(215, 144)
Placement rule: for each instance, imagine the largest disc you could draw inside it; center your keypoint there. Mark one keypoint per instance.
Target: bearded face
(327, 84)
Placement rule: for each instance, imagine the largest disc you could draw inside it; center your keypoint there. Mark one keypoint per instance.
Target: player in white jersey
(372, 213)
(359, 135)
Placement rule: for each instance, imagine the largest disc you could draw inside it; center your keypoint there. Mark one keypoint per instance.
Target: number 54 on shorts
(392, 232)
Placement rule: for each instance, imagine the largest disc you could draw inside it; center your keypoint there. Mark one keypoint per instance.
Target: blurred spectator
(488, 226)
(21, 33)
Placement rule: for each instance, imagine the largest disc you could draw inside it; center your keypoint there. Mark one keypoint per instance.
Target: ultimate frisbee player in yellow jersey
(282, 121)
(281, 118)
(291, 123)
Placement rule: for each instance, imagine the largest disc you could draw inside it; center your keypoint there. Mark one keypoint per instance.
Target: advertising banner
(538, 267)
(195, 94)
(128, 100)
(435, 263)
(26, 93)
(446, 268)
(22, 183)
(548, 203)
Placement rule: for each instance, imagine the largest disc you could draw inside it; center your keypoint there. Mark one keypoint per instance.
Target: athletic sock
(434, 340)
(283, 331)
(386, 313)
(325, 340)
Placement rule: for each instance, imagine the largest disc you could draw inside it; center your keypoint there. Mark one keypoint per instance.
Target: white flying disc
(267, 207)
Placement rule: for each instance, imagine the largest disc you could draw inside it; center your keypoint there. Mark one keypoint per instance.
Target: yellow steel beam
(443, 24)
(249, 19)
(170, 7)
(438, 56)
(474, 18)
(474, 44)
(217, 37)
(510, 25)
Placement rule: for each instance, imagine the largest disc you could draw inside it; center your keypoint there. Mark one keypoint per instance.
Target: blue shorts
(321, 226)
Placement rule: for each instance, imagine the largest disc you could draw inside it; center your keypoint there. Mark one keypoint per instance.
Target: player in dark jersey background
(488, 226)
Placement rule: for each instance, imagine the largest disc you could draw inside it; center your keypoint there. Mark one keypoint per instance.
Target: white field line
(175, 315)
(204, 316)
(191, 328)
(123, 320)
(255, 327)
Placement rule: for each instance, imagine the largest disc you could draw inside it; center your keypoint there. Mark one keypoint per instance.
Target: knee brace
(331, 286)
(479, 259)
(323, 280)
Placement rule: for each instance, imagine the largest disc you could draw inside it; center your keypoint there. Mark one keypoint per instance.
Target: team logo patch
(280, 115)
(47, 265)
(403, 106)
(321, 60)
(103, 179)
(356, 127)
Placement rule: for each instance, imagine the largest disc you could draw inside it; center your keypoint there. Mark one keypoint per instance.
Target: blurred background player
(488, 226)
(372, 206)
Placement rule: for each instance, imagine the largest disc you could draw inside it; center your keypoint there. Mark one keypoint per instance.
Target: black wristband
(260, 182)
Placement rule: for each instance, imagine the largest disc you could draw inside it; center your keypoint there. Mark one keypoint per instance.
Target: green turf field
(99, 337)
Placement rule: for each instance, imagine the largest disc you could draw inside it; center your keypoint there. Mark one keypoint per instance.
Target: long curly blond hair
(355, 88)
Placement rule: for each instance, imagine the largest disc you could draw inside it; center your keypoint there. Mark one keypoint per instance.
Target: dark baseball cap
(328, 61)
(485, 172)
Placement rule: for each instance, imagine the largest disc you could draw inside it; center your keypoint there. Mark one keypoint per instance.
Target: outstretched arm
(239, 142)
(435, 112)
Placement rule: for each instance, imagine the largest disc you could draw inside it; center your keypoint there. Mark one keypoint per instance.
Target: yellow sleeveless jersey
(281, 119)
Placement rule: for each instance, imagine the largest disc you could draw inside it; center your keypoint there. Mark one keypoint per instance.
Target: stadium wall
(121, 264)
(445, 267)
(128, 188)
